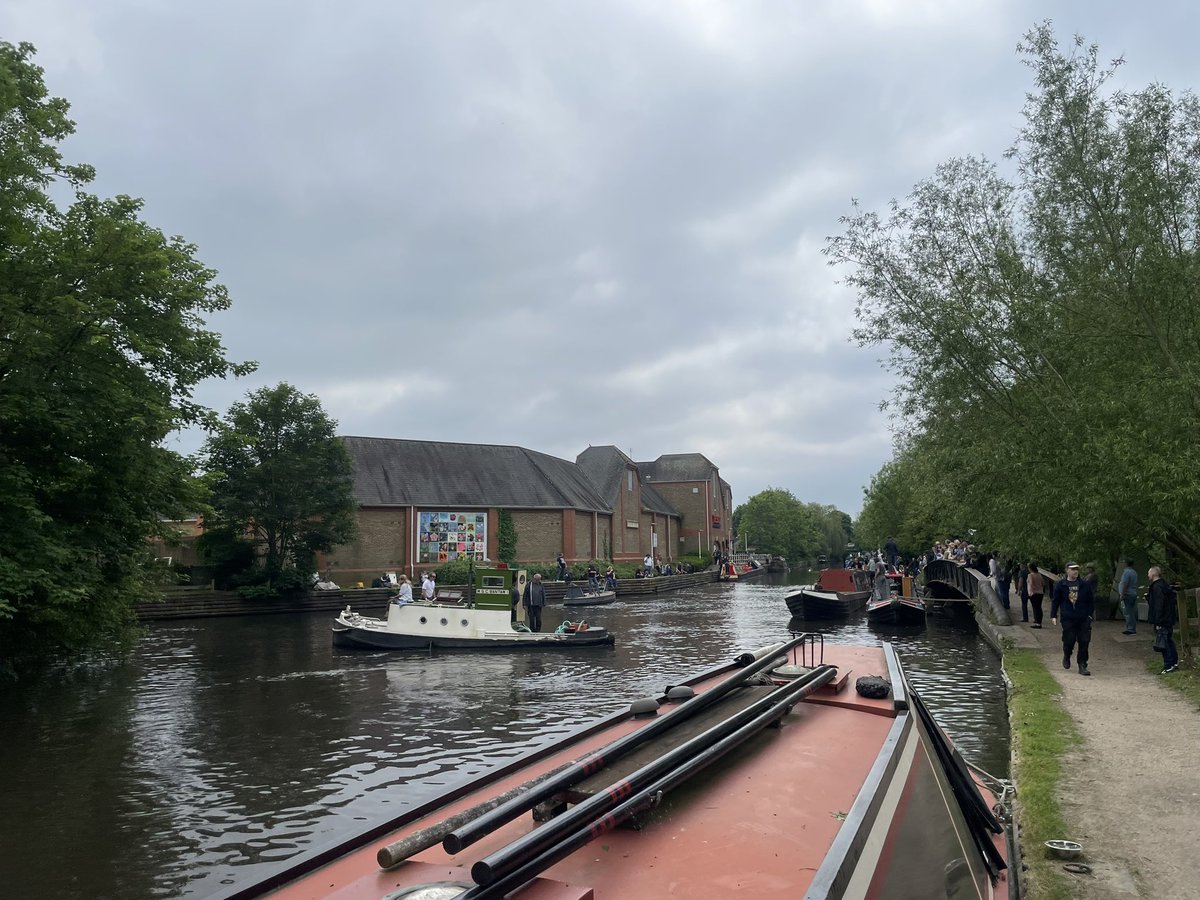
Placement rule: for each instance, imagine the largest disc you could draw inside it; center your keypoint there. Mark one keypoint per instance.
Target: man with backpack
(1162, 615)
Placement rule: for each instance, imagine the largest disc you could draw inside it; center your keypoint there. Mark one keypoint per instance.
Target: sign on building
(445, 536)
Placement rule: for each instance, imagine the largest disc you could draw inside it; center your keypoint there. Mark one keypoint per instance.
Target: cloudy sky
(557, 223)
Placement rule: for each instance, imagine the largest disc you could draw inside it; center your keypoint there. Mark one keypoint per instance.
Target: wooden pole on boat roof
(399, 851)
(463, 837)
(526, 857)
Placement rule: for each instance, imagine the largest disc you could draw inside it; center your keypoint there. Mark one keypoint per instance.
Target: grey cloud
(555, 224)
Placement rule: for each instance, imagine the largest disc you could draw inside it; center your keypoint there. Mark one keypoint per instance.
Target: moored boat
(865, 793)
(897, 610)
(479, 619)
(836, 594)
(577, 596)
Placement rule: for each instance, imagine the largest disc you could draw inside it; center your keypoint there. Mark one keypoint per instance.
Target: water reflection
(229, 744)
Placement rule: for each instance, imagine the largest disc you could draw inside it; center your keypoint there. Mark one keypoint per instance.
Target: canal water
(229, 745)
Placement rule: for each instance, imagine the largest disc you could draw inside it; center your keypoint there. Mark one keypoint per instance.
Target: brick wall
(583, 537)
(539, 534)
(691, 505)
(381, 544)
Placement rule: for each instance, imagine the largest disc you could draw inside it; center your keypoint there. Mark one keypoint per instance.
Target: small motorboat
(781, 774)
(897, 610)
(577, 596)
(837, 593)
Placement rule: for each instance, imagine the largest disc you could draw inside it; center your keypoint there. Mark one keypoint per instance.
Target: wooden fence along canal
(200, 602)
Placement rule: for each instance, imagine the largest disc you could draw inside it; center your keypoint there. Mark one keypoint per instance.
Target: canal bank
(204, 602)
(1108, 760)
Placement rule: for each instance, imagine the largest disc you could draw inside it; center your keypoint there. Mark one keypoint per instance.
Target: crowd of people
(1072, 597)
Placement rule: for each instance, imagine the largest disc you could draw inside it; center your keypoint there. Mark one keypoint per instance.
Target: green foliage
(456, 571)
(507, 537)
(281, 478)
(775, 522)
(101, 346)
(1043, 327)
(229, 553)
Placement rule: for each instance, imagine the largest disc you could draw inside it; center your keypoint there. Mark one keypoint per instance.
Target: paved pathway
(1131, 796)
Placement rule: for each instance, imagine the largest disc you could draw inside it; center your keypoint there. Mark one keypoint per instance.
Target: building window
(629, 480)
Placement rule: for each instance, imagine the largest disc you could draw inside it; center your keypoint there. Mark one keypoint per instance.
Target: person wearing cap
(1074, 603)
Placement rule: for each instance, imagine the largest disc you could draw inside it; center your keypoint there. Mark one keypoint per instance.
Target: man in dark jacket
(1075, 604)
(1162, 614)
(534, 600)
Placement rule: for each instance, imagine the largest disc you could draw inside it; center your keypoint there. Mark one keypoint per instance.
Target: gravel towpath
(1132, 797)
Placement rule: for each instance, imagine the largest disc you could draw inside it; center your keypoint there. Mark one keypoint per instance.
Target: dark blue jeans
(1130, 604)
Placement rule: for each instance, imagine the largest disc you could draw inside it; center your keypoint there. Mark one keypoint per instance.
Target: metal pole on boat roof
(642, 799)
(468, 834)
(507, 859)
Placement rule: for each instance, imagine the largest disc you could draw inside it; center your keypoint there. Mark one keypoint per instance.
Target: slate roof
(398, 472)
(605, 467)
(677, 467)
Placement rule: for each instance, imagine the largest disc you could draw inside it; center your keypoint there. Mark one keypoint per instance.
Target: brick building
(691, 484)
(422, 503)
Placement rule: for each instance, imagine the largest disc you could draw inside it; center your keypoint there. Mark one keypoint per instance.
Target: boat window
(493, 581)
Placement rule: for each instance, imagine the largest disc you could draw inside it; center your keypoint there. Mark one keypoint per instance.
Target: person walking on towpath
(1023, 590)
(1074, 603)
(534, 600)
(1128, 593)
(1036, 587)
(1163, 614)
(562, 568)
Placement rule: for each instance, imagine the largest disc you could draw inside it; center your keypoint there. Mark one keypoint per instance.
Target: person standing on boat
(1036, 587)
(610, 579)
(882, 588)
(1074, 603)
(892, 552)
(1128, 591)
(405, 595)
(593, 577)
(427, 587)
(1162, 614)
(534, 600)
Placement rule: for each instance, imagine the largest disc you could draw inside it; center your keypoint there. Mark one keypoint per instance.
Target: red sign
(716, 521)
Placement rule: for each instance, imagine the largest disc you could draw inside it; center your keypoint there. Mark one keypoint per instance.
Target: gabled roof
(677, 467)
(397, 472)
(605, 467)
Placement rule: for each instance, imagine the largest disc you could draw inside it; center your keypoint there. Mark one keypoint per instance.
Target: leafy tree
(280, 476)
(1043, 326)
(777, 523)
(101, 345)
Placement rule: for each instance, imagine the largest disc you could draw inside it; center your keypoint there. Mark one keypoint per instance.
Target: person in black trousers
(1162, 614)
(1074, 603)
(534, 600)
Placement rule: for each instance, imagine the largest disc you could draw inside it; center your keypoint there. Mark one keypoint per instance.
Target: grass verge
(1042, 734)
(1186, 681)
